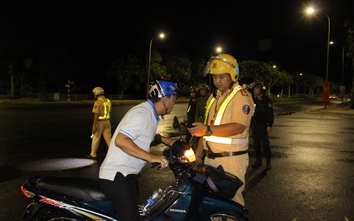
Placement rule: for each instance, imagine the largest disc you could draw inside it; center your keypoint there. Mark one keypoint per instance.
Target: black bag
(220, 182)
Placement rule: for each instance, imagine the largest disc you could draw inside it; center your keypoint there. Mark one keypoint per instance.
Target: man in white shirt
(130, 148)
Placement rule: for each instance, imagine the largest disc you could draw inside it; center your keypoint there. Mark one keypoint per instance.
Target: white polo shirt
(139, 124)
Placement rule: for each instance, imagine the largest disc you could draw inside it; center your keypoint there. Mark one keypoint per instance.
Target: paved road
(311, 177)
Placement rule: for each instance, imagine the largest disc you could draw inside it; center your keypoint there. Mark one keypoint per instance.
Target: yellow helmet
(98, 91)
(222, 64)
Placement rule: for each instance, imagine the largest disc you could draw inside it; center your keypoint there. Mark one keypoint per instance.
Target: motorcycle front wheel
(57, 218)
(221, 216)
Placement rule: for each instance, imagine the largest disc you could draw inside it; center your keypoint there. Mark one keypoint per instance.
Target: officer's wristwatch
(208, 132)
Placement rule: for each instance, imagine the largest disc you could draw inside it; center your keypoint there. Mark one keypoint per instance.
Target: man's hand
(198, 130)
(159, 159)
(199, 152)
(269, 129)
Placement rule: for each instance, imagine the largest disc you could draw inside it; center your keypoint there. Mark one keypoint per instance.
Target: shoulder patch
(243, 92)
(246, 109)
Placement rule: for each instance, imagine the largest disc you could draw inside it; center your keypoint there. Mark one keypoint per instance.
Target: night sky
(94, 33)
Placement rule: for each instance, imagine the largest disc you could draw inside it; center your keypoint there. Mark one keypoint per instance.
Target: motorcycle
(199, 194)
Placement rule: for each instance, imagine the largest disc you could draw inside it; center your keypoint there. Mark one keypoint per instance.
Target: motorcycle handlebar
(153, 165)
(158, 165)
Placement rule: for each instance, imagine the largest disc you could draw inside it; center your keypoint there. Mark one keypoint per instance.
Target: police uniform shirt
(239, 110)
(200, 109)
(98, 107)
(264, 111)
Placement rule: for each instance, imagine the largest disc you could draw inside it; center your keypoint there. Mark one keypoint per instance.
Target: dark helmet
(258, 84)
(203, 87)
(162, 87)
(193, 89)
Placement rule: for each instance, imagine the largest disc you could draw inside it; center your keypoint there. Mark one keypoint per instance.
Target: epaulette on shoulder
(243, 92)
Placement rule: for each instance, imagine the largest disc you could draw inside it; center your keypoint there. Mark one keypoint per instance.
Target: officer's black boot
(257, 164)
(268, 165)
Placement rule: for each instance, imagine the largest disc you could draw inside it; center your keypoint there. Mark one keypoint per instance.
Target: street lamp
(310, 11)
(162, 35)
(218, 50)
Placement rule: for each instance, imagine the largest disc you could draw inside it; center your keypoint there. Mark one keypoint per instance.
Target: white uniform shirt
(139, 124)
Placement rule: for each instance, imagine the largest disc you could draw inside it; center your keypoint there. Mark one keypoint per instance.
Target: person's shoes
(90, 157)
(268, 166)
(257, 164)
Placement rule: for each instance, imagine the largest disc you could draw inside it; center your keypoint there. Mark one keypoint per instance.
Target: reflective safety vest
(107, 109)
(220, 113)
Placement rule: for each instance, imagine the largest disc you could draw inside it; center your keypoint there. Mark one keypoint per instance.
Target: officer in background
(227, 120)
(191, 110)
(262, 122)
(101, 121)
(200, 108)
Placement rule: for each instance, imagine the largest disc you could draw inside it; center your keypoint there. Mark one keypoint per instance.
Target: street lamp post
(342, 91)
(162, 35)
(328, 42)
(325, 98)
(342, 65)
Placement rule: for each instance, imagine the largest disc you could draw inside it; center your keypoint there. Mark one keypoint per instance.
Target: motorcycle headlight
(181, 151)
(188, 156)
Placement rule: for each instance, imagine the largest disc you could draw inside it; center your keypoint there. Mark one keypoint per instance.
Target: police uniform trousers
(261, 139)
(236, 165)
(103, 129)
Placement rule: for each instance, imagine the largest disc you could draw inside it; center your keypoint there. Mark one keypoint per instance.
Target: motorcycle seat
(80, 188)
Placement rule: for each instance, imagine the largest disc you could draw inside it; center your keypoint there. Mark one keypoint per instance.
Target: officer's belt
(213, 155)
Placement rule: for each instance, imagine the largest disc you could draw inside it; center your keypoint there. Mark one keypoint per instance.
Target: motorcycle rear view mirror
(176, 124)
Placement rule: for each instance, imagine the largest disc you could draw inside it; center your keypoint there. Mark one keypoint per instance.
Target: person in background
(227, 120)
(130, 148)
(262, 122)
(191, 111)
(101, 121)
(200, 109)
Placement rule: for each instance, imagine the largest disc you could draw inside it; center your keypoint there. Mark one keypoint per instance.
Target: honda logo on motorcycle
(50, 202)
(178, 210)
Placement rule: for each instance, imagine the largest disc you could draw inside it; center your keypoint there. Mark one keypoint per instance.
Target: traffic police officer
(262, 122)
(227, 121)
(191, 110)
(101, 121)
(200, 109)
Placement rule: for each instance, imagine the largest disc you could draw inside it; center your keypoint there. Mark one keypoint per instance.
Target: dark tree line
(24, 75)
(128, 73)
